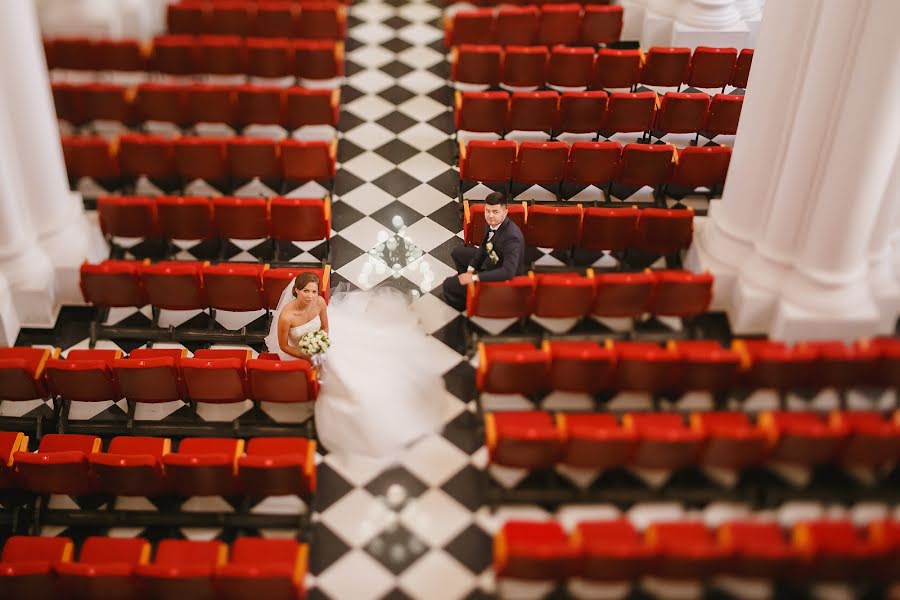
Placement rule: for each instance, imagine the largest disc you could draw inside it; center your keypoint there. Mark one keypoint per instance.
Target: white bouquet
(313, 343)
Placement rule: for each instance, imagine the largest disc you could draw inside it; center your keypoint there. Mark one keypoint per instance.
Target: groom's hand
(465, 279)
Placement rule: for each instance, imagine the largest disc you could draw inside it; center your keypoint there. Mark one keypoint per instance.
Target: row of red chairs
(189, 285)
(154, 375)
(574, 66)
(189, 158)
(722, 440)
(195, 218)
(186, 105)
(146, 466)
(589, 367)
(595, 111)
(609, 295)
(546, 25)
(204, 55)
(615, 550)
(318, 20)
(654, 230)
(44, 568)
(594, 163)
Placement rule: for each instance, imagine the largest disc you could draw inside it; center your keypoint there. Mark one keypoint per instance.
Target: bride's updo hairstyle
(303, 279)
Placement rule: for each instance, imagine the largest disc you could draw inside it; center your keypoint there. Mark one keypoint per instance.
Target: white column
(9, 317)
(659, 18)
(751, 14)
(57, 213)
(632, 18)
(709, 23)
(884, 280)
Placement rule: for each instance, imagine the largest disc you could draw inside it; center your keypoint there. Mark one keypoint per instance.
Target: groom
(501, 255)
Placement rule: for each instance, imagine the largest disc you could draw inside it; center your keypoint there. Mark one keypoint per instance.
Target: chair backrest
(500, 300)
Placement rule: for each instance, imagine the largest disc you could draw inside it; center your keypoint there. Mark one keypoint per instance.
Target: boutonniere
(493, 256)
(489, 246)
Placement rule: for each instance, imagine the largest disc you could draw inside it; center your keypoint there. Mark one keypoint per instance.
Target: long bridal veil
(272, 337)
(383, 388)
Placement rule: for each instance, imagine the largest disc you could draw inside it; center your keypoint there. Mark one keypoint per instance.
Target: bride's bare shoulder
(322, 304)
(286, 314)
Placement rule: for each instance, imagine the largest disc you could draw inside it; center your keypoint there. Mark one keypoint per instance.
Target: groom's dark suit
(508, 244)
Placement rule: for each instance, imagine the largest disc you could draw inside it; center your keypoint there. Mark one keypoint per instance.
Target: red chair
(501, 299)
(757, 549)
(113, 283)
(480, 111)
(212, 104)
(888, 365)
(627, 112)
(646, 165)
(275, 280)
(517, 25)
(615, 69)
(665, 66)
(216, 376)
(623, 295)
(120, 55)
(279, 466)
(584, 367)
(681, 112)
(60, 466)
(282, 381)
(174, 55)
(533, 111)
(318, 59)
(234, 286)
(741, 72)
(559, 24)
(664, 442)
(524, 66)
(884, 535)
(22, 372)
(150, 375)
(553, 226)
(274, 20)
(771, 364)
(106, 102)
(872, 440)
(711, 67)
(187, 18)
(570, 67)
(608, 228)
(512, 368)
(231, 18)
(241, 218)
(161, 102)
(263, 568)
(260, 105)
(26, 566)
(311, 107)
(534, 550)
(182, 569)
(563, 295)
(684, 550)
(474, 223)
(835, 551)
(582, 112)
(705, 365)
(733, 442)
(470, 27)
(253, 158)
(146, 155)
(647, 367)
(132, 466)
(68, 102)
(487, 161)
(204, 466)
(105, 568)
(595, 441)
(174, 285)
(840, 366)
(308, 160)
(593, 163)
(723, 115)
(681, 293)
(271, 58)
(201, 158)
(664, 231)
(84, 376)
(127, 216)
(542, 163)
(91, 157)
(612, 551)
(185, 218)
(476, 64)
(10, 443)
(802, 438)
(320, 21)
(75, 54)
(300, 219)
(220, 55)
(601, 24)
(701, 166)
(522, 439)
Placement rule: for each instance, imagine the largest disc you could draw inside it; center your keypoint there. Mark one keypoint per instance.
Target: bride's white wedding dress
(382, 389)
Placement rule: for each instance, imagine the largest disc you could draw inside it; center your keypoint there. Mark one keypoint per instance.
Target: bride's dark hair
(303, 279)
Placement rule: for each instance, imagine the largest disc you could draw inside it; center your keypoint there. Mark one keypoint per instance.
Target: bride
(382, 391)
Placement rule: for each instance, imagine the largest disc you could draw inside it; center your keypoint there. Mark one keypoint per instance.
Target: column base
(9, 318)
(688, 36)
(657, 30)
(751, 309)
(36, 307)
(793, 323)
(753, 26)
(632, 19)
